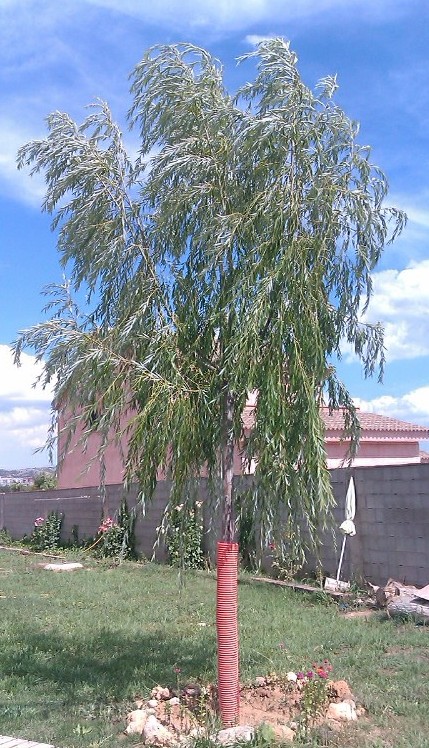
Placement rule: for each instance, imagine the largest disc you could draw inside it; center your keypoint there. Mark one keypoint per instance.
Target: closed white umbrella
(348, 527)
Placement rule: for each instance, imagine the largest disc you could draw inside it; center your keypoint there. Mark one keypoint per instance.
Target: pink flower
(106, 525)
(39, 521)
(300, 675)
(309, 674)
(177, 670)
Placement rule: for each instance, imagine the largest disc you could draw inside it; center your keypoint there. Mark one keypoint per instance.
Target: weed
(185, 536)
(46, 535)
(115, 538)
(314, 695)
(5, 538)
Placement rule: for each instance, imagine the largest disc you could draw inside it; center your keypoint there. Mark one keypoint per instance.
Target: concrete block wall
(83, 508)
(394, 514)
(392, 520)
(392, 524)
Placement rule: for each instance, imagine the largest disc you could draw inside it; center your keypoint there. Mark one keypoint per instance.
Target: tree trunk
(228, 531)
(227, 586)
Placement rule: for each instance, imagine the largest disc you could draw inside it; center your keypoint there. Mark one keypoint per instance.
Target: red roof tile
(372, 424)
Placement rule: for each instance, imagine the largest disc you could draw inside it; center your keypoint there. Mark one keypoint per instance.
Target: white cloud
(401, 303)
(24, 411)
(16, 382)
(255, 39)
(415, 206)
(12, 181)
(232, 15)
(413, 406)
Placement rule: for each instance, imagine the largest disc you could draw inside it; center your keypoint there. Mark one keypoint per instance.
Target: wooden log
(407, 603)
(299, 586)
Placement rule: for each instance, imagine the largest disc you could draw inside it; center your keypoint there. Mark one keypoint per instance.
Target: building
(383, 441)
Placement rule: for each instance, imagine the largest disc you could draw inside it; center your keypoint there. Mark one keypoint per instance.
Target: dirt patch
(268, 704)
(366, 613)
(269, 701)
(408, 652)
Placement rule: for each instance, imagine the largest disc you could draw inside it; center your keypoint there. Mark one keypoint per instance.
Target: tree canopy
(232, 255)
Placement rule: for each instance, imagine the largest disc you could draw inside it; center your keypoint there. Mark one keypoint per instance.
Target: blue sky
(61, 56)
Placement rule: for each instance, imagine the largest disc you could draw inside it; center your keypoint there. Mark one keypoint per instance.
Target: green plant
(314, 695)
(264, 737)
(288, 557)
(185, 536)
(5, 537)
(44, 482)
(75, 536)
(46, 535)
(115, 538)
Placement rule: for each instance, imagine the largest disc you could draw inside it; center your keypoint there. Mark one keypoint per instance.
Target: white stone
(174, 701)
(160, 693)
(231, 735)
(62, 567)
(345, 711)
(136, 722)
(284, 733)
(152, 703)
(154, 733)
(260, 681)
(197, 732)
(292, 677)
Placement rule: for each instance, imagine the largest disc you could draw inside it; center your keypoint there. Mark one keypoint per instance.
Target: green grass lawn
(76, 648)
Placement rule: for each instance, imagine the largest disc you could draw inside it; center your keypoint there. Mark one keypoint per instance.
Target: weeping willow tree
(232, 256)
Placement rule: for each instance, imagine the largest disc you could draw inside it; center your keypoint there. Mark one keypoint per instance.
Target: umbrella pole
(340, 562)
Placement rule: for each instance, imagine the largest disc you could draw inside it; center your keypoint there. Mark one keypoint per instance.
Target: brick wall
(392, 520)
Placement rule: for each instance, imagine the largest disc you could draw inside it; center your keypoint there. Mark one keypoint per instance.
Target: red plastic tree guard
(227, 632)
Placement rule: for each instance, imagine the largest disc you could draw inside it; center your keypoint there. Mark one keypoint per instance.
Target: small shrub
(115, 538)
(5, 538)
(314, 695)
(46, 535)
(185, 537)
(44, 482)
(288, 555)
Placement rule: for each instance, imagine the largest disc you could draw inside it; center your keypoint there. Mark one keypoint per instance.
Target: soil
(365, 613)
(273, 703)
(277, 704)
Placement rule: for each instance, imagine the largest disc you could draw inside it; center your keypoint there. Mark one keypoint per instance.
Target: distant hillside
(29, 472)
